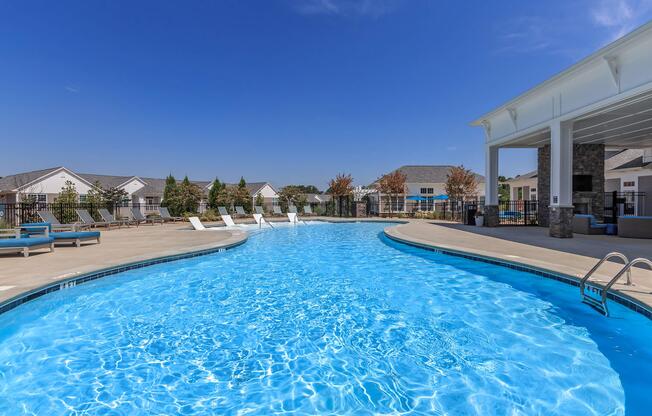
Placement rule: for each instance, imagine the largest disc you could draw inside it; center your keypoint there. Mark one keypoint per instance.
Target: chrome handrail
(627, 269)
(598, 264)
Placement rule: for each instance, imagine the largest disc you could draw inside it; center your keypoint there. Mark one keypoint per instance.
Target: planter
(479, 221)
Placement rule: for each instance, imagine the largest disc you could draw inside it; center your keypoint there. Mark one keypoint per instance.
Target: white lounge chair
(258, 217)
(197, 225)
(293, 216)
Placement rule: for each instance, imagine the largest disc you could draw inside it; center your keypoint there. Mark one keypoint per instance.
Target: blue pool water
(323, 319)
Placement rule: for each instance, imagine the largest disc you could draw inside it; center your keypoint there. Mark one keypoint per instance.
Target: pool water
(323, 319)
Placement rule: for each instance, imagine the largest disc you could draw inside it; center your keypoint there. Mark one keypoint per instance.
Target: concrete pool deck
(532, 247)
(529, 246)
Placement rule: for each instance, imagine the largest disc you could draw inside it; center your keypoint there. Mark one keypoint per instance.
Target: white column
(491, 174)
(561, 165)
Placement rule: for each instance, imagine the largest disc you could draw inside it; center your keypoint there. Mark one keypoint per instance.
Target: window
(41, 198)
(82, 198)
(629, 183)
(533, 189)
(427, 190)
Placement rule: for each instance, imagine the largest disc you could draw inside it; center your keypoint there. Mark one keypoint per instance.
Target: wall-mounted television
(582, 183)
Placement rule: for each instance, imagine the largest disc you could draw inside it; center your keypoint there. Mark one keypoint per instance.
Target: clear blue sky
(288, 91)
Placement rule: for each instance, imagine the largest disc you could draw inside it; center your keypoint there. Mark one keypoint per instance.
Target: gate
(518, 212)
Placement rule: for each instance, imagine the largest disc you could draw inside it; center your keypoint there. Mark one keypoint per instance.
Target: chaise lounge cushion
(74, 235)
(37, 228)
(631, 226)
(25, 242)
(587, 224)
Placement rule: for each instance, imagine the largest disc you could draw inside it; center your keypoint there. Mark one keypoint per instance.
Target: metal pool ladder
(600, 304)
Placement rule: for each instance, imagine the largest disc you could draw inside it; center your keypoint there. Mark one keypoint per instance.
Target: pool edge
(63, 284)
(623, 299)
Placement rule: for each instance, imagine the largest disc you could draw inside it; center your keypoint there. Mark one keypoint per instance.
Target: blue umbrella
(441, 197)
(416, 198)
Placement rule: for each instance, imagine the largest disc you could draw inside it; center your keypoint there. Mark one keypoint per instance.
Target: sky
(286, 91)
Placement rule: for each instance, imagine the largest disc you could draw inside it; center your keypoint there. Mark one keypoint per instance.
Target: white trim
(608, 50)
(52, 173)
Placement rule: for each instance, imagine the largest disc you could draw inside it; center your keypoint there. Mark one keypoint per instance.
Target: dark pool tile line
(87, 277)
(635, 306)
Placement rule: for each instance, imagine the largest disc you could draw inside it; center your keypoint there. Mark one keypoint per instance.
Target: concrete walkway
(531, 246)
(119, 246)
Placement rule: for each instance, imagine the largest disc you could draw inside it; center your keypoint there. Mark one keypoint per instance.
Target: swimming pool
(323, 319)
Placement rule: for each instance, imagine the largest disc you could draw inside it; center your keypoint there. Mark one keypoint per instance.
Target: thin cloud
(345, 8)
(620, 17)
(71, 89)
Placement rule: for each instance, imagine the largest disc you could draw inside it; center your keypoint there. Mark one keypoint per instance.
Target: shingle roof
(528, 175)
(107, 181)
(429, 173)
(11, 182)
(634, 163)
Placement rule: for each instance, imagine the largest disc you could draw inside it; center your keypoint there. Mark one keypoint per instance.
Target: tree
(392, 185)
(189, 196)
(260, 200)
(461, 183)
(94, 195)
(306, 189)
(291, 195)
(241, 195)
(169, 190)
(115, 196)
(341, 186)
(213, 194)
(503, 189)
(68, 194)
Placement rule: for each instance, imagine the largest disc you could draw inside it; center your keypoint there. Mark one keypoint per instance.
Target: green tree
(95, 196)
(292, 195)
(213, 194)
(260, 200)
(170, 190)
(188, 196)
(306, 189)
(241, 196)
(115, 196)
(68, 194)
(503, 189)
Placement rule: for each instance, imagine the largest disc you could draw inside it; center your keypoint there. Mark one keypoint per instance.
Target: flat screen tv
(582, 183)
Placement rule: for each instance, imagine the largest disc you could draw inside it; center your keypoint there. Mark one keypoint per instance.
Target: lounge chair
(48, 217)
(165, 215)
(13, 241)
(307, 210)
(240, 211)
(293, 216)
(259, 218)
(631, 226)
(63, 236)
(107, 217)
(228, 221)
(88, 219)
(277, 210)
(139, 218)
(197, 225)
(587, 224)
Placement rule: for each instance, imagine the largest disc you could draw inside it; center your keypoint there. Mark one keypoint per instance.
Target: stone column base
(491, 216)
(561, 222)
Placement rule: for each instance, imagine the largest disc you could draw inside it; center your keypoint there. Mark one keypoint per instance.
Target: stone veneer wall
(588, 159)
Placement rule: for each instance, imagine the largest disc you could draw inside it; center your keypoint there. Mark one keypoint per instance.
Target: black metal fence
(617, 204)
(518, 212)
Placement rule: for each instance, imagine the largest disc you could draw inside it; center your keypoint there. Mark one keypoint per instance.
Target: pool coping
(70, 282)
(618, 297)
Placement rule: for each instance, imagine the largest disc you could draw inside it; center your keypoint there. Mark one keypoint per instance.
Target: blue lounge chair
(13, 241)
(60, 237)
